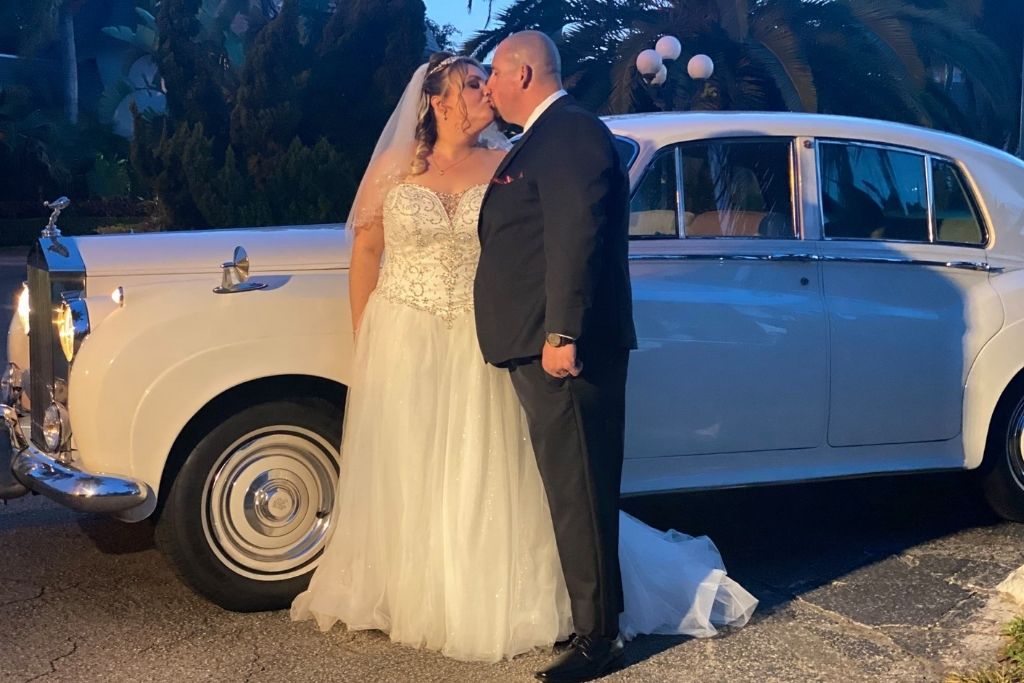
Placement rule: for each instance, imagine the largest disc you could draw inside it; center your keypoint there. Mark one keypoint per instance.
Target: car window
(652, 211)
(737, 188)
(956, 220)
(627, 149)
(873, 193)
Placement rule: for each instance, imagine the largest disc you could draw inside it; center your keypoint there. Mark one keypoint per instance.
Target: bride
(442, 536)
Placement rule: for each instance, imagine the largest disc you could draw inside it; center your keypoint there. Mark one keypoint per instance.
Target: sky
(454, 12)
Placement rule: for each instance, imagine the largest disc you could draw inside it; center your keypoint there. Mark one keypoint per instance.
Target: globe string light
(653, 68)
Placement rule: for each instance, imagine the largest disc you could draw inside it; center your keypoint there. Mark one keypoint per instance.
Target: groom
(553, 305)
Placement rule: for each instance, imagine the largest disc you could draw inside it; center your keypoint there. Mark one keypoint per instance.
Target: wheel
(1002, 474)
(246, 518)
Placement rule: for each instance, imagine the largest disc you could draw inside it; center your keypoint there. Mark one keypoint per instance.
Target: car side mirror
(235, 275)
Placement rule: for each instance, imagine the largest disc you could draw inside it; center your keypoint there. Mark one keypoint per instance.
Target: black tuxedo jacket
(554, 240)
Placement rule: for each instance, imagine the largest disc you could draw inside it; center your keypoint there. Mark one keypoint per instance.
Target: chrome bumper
(69, 486)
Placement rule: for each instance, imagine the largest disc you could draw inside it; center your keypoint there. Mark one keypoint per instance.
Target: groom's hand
(561, 361)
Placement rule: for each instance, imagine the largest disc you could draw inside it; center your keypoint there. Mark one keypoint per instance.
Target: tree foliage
(28, 26)
(283, 139)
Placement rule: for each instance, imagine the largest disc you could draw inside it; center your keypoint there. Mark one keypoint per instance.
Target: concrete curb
(1013, 586)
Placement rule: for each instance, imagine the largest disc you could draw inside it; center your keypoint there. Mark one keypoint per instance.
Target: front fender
(153, 364)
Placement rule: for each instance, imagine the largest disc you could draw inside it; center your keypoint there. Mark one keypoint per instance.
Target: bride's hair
(440, 67)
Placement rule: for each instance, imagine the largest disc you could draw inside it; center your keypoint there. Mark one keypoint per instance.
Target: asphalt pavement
(889, 579)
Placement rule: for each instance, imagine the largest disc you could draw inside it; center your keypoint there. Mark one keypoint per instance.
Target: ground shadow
(114, 537)
(783, 541)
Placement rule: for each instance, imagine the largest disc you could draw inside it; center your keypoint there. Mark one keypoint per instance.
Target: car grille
(54, 267)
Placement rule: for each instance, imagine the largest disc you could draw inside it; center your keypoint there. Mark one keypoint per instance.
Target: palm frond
(883, 20)
(523, 15)
(776, 42)
(734, 17)
(944, 38)
(773, 66)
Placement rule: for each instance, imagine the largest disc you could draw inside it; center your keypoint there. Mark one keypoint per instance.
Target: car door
(728, 304)
(906, 288)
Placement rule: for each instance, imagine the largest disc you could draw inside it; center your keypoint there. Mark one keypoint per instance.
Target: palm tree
(46, 21)
(759, 59)
(951, 49)
(589, 34)
(864, 57)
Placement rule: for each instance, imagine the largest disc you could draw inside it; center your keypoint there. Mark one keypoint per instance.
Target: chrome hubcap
(268, 502)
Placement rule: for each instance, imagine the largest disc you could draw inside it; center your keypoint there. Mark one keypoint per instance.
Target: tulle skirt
(442, 535)
(674, 584)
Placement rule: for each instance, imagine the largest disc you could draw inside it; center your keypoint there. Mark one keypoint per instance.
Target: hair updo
(436, 82)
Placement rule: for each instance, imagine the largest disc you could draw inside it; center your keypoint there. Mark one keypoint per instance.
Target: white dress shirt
(542, 107)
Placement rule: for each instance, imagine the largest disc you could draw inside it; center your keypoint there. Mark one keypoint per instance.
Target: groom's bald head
(535, 50)
(526, 69)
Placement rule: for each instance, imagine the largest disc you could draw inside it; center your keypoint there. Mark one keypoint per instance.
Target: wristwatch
(556, 340)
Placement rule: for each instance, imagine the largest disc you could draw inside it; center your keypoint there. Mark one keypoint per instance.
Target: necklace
(441, 171)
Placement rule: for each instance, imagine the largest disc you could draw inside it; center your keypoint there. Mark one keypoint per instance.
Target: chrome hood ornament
(51, 230)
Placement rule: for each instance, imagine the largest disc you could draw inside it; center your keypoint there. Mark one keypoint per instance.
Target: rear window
(956, 218)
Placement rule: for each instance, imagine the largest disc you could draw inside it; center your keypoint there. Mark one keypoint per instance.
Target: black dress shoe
(561, 646)
(587, 658)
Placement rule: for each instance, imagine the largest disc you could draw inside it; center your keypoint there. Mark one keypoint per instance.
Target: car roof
(657, 129)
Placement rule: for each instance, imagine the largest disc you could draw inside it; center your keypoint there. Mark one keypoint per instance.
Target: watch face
(554, 339)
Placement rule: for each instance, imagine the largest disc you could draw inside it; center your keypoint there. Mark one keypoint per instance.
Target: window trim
(972, 200)
(677, 156)
(633, 145)
(673, 149)
(929, 193)
(927, 158)
(795, 193)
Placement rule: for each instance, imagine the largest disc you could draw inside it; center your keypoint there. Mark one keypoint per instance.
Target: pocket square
(506, 179)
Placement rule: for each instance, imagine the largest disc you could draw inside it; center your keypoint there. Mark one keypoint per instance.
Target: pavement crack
(874, 634)
(30, 598)
(837, 616)
(953, 581)
(53, 662)
(953, 609)
(65, 587)
(253, 670)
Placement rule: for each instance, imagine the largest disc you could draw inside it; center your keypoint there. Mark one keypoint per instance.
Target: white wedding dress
(442, 536)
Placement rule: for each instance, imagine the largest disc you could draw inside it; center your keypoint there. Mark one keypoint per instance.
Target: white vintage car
(815, 297)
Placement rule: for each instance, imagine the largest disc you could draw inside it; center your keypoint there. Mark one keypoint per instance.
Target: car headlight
(56, 427)
(72, 325)
(23, 306)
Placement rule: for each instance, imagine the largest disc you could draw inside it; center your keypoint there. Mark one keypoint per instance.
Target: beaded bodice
(431, 248)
